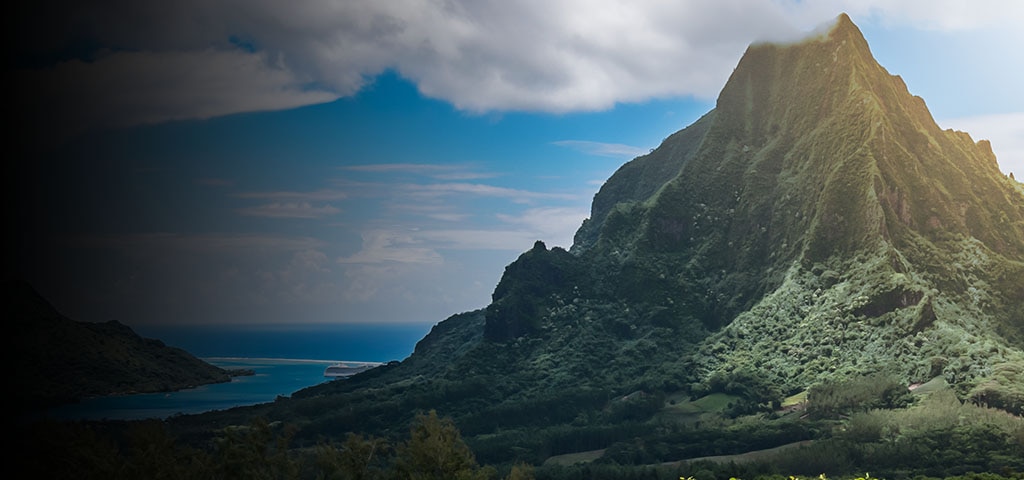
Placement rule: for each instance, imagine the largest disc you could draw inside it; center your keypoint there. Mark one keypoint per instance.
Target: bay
(285, 359)
(356, 342)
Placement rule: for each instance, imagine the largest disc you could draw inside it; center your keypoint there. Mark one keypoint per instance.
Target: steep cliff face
(816, 225)
(813, 151)
(818, 142)
(642, 178)
(819, 196)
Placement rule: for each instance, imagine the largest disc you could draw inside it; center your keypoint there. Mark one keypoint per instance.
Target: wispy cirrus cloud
(429, 190)
(455, 176)
(483, 190)
(421, 168)
(602, 149)
(435, 171)
(214, 182)
(314, 195)
(443, 212)
(436, 190)
(289, 210)
(292, 204)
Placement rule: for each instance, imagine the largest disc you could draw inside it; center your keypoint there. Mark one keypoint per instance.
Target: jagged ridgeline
(816, 222)
(816, 225)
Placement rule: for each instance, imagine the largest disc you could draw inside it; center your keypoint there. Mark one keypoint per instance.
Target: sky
(367, 161)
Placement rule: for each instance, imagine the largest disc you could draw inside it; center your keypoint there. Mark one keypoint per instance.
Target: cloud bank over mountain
(121, 63)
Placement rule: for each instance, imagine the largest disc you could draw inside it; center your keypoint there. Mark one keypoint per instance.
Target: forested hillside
(813, 278)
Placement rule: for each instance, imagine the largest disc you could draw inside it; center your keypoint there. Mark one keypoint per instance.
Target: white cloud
(198, 59)
(392, 246)
(423, 247)
(305, 278)
(448, 217)
(556, 226)
(308, 261)
(577, 55)
(943, 15)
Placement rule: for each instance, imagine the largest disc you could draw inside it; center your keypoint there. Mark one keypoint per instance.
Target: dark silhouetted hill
(57, 360)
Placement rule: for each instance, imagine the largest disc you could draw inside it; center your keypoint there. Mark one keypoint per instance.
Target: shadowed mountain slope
(819, 173)
(816, 225)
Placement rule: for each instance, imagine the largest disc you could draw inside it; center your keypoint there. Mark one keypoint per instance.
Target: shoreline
(289, 360)
(273, 377)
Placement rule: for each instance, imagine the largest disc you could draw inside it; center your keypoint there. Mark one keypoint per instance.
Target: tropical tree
(435, 451)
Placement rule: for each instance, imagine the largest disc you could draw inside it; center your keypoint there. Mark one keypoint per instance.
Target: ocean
(286, 358)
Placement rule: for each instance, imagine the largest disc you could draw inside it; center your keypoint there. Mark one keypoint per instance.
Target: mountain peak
(814, 154)
(844, 25)
(844, 30)
(816, 227)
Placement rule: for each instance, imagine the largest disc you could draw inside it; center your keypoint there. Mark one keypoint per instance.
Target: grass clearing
(934, 385)
(794, 400)
(569, 459)
(746, 457)
(713, 403)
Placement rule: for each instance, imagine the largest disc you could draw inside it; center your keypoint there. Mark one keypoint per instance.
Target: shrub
(859, 394)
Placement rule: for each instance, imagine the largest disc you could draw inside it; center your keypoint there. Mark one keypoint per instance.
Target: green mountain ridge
(816, 227)
(816, 236)
(821, 174)
(819, 194)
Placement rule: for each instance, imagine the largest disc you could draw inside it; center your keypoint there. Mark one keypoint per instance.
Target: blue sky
(365, 161)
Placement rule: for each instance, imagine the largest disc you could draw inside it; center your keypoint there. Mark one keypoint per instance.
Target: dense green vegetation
(753, 299)
(259, 450)
(931, 435)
